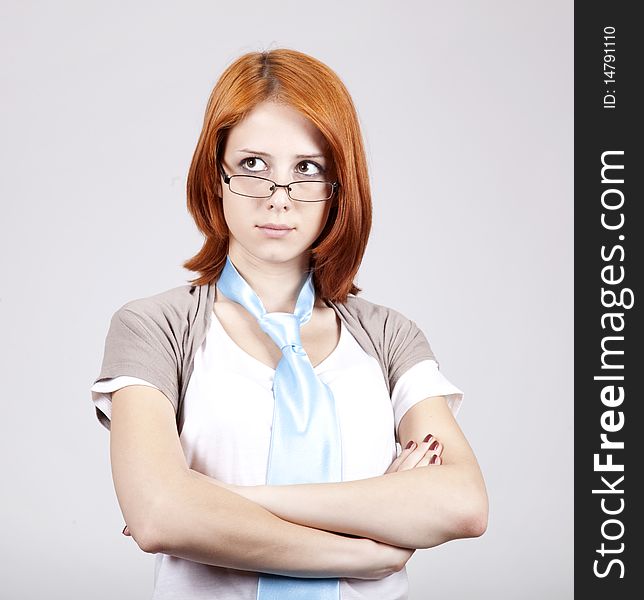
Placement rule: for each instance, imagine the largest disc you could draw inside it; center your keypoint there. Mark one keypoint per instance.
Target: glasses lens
(311, 191)
(250, 186)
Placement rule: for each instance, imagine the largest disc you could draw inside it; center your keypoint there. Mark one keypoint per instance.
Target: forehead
(277, 129)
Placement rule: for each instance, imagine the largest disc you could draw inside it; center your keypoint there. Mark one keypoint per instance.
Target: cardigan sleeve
(405, 345)
(138, 345)
(413, 368)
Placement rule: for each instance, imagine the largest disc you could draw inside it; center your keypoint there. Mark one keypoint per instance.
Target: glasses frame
(335, 185)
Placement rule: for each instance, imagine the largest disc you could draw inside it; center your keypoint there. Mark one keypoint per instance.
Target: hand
(427, 453)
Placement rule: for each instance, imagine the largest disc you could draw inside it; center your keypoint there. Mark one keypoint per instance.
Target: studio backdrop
(466, 112)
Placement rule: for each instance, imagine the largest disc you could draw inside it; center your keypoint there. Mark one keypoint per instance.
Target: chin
(270, 250)
(274, 255)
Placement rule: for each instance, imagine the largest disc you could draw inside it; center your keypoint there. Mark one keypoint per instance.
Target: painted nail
(429, 435)
(409, 444)
(124, 528)
(433, 460)
(434, 445)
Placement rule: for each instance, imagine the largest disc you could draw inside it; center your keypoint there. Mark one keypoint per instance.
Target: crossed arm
(416, 507)
(413, 505)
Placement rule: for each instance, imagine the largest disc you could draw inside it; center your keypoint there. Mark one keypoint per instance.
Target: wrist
(250, 492)
(213, 481)
(358, 556)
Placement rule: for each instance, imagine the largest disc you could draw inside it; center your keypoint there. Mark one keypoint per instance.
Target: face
(267, 144)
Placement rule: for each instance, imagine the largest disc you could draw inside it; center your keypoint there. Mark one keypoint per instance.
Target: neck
(277, 284)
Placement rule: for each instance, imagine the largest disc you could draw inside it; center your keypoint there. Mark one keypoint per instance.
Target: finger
(412, 460)
(429, 447)
(427, 459)
(436, 447)
(429, 443)
(430, 459)
(424, 462)
(416, 455)
(409, 448)
(433, 445)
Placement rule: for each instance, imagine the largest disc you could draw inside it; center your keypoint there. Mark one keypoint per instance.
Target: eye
(249, 162)
(319, 170)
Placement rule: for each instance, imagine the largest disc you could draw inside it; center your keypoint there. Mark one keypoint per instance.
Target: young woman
(226, 465)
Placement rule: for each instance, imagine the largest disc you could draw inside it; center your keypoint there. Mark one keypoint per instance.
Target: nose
(280, 198)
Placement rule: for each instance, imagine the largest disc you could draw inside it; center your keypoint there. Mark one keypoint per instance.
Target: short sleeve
(407, 346)
(102, 395)
(137, 346)
(421, 381)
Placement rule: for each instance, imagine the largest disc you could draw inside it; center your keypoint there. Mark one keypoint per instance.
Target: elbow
(149, 539)
(148, 530)
(473, 518)
(467, 518)
(465, 523)
(146, 535)
(475, 523)
(472, 512)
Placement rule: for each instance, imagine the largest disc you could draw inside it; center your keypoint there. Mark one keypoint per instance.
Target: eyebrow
(270, 156)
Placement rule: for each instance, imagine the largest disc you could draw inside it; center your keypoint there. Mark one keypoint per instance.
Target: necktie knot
(283, 328)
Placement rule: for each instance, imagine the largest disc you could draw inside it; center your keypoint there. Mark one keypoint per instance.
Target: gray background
(466, 109)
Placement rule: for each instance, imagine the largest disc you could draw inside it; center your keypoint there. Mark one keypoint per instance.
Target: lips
(274, 226)
(275, 230)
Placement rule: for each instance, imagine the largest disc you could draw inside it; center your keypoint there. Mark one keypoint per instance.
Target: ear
(218, 186)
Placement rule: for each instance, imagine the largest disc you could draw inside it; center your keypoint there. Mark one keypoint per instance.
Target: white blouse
(226, 422)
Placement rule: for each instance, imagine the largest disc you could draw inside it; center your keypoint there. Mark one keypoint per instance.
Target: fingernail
(409, 444)
(434, 445)
(124, 528)
(429, 435)
(433, 460)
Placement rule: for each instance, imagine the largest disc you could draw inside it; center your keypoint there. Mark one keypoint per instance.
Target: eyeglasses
(260, 187)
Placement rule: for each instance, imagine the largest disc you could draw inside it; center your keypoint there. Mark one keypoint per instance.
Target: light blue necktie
(305, 437)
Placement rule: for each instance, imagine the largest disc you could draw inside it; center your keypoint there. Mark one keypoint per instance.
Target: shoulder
(174, 298)
(151, 338)
(170, 307)
(395, 340)
(387, 328)
(370, 313)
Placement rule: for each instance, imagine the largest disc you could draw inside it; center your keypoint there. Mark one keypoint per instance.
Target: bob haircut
(308, 85)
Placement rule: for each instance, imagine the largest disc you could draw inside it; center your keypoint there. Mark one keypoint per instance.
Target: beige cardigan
(156, 338)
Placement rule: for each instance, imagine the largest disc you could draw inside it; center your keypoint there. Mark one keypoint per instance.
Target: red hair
(309, 86)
